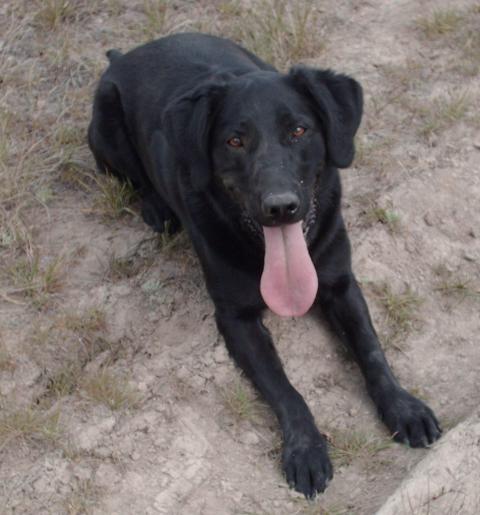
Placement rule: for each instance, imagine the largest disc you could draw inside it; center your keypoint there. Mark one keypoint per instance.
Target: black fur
(162, 116)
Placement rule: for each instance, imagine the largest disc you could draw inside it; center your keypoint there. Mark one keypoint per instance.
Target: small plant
(83, 498)
(276, 30)
(63, 382)
(345, 447)
(109, 389)
(28, 424)
(35, 281)
(240, 402)
(384, 215)
(53, 13)
(90, 321)
(400, 311)
(443, 113)
(440, 22)
(156, 14)
(114, 196)
(450, 284)
(119, 268)
(69, 135)
(373, 154)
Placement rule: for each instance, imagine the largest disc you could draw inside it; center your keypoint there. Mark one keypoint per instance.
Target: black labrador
(245, 158)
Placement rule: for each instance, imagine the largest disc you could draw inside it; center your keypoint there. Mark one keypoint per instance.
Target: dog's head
(265, 136)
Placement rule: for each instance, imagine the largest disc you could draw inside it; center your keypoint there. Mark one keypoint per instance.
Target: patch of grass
(82, 339)
(451, 284)
(83, 499)
(401, 311)
(125, 267)
(348, 446)
(316, 508)
(32, 280)
(458, 31)
(240, 402)
(69, 135)
(114, 197)
(156, 17)
(109, 389)
(92, 320)
(385, 215)
(278, 31)
(440, 22)
(458, 287)
(29, 425)
(53, 13)
(373, 153)
(86, 329)
(63, 382)
(443, 113)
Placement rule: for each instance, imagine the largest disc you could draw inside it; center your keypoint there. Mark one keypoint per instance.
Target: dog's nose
(280, 207)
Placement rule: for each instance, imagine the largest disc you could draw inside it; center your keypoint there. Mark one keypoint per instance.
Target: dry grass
(114, 197)
(458, 30)
(30, 425)
(108, 388)
(119, 268)
(83, 499)
(443, 113)
(384, 215)
(349, 446)
(86, 324)
(240, 402)
(28, 278)
(373, 154)
(453, 285)
(52, 13)
(280, 32)
(400, 312)
(86, 327)
(440, 22)
(156, 13)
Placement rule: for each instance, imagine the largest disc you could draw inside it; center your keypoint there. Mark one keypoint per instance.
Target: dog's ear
(186, 123)
(338, 102)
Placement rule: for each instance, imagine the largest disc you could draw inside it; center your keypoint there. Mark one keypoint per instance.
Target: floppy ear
(186, 123)
(338, 101)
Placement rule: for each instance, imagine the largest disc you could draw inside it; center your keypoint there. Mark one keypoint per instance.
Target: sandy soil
(179, 430)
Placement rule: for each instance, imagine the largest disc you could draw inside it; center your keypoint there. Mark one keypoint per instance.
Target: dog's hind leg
(108, 139)
(114, 153)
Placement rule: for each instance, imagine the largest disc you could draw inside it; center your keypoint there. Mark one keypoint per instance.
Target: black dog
(246, 158)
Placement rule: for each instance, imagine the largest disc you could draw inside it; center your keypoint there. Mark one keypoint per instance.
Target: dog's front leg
(409, 419)
(305, 459)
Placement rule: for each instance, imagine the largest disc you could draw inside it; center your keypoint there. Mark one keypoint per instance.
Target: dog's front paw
(306, 464)
(409, 419)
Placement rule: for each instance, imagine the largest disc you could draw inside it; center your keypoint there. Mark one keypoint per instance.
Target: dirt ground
(116, 393)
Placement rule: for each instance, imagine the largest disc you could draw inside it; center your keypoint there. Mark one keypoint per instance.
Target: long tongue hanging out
(289, 281)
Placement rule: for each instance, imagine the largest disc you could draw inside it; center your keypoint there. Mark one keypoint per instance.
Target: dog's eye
(298, 131)
(235, 142)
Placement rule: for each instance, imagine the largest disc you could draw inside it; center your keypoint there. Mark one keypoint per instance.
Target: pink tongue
(289, 281)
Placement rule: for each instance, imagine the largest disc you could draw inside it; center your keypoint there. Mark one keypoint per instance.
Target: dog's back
(165, 68)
